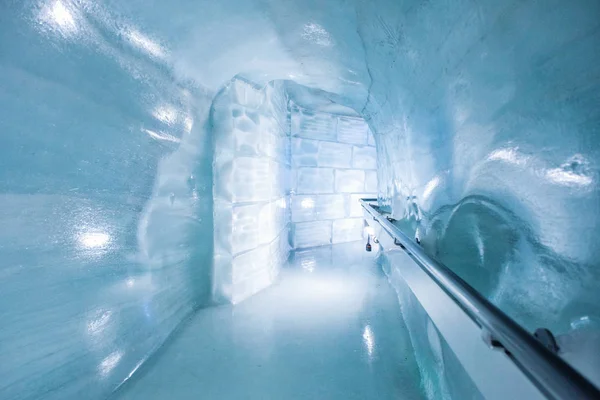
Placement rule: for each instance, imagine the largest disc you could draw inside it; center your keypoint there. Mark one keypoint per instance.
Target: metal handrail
(555, 378)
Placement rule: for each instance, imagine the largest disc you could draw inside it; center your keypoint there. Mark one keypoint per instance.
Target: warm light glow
(369, 340)
(92, 240)
(166, 113)
(568, 178)
(61, 15)
(307, 203)
(430, 187)
(309, 264)
(188, 123)
(510, 155)
(98, 324)
(58, 15)
(109, 363)
(161, 136)
(145, 44)
(281, 203)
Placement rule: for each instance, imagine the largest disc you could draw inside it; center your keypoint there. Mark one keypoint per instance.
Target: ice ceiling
(486, 120)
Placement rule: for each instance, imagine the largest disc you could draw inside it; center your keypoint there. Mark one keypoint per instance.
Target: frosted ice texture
(485, 121)
(442, 375)
(251, 163)
(313, 125)
(313, 233)
(334, 167)
(364, 157)
(105, 202)
(315, 180)
(331, 298)
(305, 153)
(335, 155)
(353, 130)
(347, 230)
(371, 181)
(492, 163)
(329, 206)
(350, 180)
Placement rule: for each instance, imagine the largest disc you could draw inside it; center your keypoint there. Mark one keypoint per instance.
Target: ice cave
(299, 199)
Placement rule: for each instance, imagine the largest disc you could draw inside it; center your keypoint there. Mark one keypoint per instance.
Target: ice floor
(331, 328)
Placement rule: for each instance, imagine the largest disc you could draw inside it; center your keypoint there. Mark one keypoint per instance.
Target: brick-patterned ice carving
(303, 208)
(334, 165)
(350, 181)
(251, 185)
(311, 125)
(352, 130)
(371, 141)
(353, 207)
(329, 206)
(251, 180)
(315, 180)
(334, 155)
(371, 182)
(347, 230)
(364, 157)
(305, 152)
(309, 234)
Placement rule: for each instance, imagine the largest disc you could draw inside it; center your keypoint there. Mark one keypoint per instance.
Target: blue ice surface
(251, 168)
(486, 126)
(331, 328)
(330, 159)
(105, 204)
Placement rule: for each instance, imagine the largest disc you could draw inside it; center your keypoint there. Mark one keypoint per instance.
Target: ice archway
(486, 122)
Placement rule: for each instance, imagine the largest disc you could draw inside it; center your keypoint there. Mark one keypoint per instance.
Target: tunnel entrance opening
(289, 168)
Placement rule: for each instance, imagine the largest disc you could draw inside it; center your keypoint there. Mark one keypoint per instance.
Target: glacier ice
(483, 114)
(259, 349)
(251, 163)
(329, 171)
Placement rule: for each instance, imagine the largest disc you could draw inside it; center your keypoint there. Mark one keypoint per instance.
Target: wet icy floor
(331, 328)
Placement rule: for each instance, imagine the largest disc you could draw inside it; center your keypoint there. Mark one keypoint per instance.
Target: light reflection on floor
(329, 329)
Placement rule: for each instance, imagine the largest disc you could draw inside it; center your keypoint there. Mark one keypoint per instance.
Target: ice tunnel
(187, 189)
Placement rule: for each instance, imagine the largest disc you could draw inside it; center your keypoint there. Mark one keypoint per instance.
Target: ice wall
(251, 173)
(442, 374)
(105, 196)
(484, 112)
(489, 144)
(333, 165)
